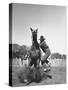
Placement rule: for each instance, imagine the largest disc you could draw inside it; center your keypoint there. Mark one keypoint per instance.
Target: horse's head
(34, 34)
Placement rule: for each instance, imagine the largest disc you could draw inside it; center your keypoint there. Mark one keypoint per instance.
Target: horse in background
(35, 53)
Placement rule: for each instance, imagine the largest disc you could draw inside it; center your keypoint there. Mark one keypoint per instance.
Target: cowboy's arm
(43, 46)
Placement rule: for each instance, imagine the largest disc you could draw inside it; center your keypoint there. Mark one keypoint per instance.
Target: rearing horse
(35, 53)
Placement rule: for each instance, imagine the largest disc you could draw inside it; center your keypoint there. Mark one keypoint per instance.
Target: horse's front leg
(38, 63)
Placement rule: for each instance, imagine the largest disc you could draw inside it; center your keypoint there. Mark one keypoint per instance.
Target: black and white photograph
(37, 44)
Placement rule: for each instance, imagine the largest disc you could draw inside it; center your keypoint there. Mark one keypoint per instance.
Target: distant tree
(56, 55)
(19, 51)
(23, 50)
(64, 56)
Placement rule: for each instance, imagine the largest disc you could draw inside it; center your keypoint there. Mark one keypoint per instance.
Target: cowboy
(45, 49)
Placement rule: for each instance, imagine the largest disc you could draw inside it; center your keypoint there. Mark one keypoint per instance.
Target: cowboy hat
(42, 38)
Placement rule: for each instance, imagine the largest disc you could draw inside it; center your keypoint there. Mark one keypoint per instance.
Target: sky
(50, 21)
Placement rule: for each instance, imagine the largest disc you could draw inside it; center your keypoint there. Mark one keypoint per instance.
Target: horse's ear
(36, 29)
(31, 29)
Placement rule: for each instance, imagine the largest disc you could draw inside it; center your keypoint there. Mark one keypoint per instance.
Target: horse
(35, 53)
(34, 74)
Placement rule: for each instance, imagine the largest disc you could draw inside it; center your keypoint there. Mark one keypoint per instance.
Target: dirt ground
(58, 77)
